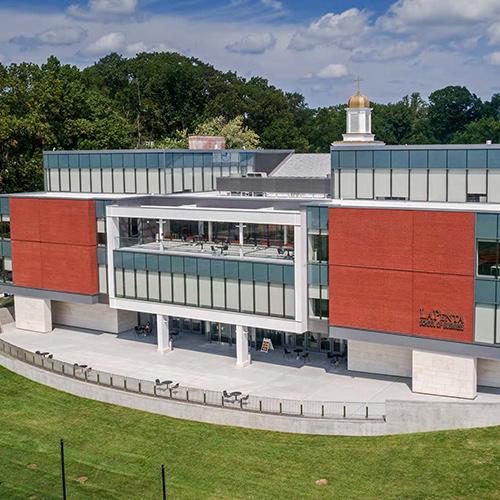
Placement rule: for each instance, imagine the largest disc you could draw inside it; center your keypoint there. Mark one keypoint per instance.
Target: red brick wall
(385, 265)
(54, 244)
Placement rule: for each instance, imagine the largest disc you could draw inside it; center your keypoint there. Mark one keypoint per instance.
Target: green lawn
(6, 301)
(120, 452)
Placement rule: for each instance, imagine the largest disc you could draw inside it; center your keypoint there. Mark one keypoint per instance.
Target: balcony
(203, 248)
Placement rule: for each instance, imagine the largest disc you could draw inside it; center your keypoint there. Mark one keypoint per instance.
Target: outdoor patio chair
(287, 352)
(305, 357)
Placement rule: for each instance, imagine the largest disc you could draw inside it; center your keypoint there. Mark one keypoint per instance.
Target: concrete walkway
(196, 363)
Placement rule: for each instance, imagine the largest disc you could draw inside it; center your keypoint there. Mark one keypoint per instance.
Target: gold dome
(358, 100)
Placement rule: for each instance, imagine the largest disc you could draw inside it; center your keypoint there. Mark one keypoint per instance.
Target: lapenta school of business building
(386, 254)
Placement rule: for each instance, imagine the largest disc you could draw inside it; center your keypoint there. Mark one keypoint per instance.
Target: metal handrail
(353, 410)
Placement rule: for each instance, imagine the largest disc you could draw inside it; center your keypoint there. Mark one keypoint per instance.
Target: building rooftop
(304, 165)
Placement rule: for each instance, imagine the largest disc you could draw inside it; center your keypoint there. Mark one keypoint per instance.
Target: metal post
(366, 414)
(344, 412)
(322, 410)
(163, 485)
(63, 473)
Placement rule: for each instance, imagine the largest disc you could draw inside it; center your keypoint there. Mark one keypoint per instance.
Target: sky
(315, 47)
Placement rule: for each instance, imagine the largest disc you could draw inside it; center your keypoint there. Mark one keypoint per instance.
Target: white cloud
(253, 44)
(386, 50)
(103, 10)
(56, 36)
(409, 16)
(344, 30)
(332, 71)
(493, 58)
(274, 4)
(112, 42)
(494, 33)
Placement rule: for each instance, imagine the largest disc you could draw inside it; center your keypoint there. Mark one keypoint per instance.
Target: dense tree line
(157, 99)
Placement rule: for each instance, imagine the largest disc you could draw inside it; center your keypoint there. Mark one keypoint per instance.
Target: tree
(486, 129)
(236, 135)
(451, 109)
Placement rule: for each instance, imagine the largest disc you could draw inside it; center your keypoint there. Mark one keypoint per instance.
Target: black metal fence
(353, 410)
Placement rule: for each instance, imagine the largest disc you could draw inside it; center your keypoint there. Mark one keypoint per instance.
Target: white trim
(201, 314)
(251, 216)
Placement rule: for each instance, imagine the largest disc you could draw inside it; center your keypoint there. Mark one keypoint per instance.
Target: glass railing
(198, 246)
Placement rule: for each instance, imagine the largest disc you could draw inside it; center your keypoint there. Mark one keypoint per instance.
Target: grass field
(6, 301)
(119, 451)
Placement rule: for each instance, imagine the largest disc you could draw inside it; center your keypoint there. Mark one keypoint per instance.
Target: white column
(210, 231)
(163, 333)
(285, 235)
(242, 355)
(444, 374)
(159, 236)
(33, 314)
(200, 228)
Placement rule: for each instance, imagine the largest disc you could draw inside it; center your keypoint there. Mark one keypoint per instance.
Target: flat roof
(203, 200)
(73, 196)
(368, 145)
(413, 205)
(107, 151)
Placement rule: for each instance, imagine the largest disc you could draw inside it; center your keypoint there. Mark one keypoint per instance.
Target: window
(319, 248)
(320, 308)
(487, 258)
(476, 198)
(4, 228)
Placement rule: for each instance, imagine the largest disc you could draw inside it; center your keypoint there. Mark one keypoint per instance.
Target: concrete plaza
(194, 362)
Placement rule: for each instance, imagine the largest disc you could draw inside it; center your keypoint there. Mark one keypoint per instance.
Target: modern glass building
(394, 269)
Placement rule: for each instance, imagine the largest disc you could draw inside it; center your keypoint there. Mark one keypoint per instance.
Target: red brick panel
(24, 219)
(448, 294)
(371, 299)
(443, 242)
(386, 265)
(69, 268)
(68, 221)
(26, 263)
(371, 238)
(54, 244)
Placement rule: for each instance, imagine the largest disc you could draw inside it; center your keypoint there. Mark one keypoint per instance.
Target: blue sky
(315, 47)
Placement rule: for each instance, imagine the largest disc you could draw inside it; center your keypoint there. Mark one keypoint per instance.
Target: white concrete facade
(379, 358)
(163, 333)
(242, 354)
(33, 314)
(444, 374)
(488, 372)
(93, 317)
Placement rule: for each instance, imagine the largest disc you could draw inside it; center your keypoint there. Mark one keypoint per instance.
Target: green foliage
(157, 98)
(235, 133)
(119, 452)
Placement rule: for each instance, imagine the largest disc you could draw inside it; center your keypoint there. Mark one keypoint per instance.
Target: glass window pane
(494, 158)
(486, 226)
(437, 158)
(203, 267)
(347, 159)
(260, 272)
(382, 159)
(457, 158)
(476, 158)
(487, 258)
(418, 159)
(364, 159)
(164, 263)
(399, 159)
(140, 261)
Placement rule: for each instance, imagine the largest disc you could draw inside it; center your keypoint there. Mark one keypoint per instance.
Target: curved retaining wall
(402, 416)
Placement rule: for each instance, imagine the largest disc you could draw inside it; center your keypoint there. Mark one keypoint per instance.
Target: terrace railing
(353, 410)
